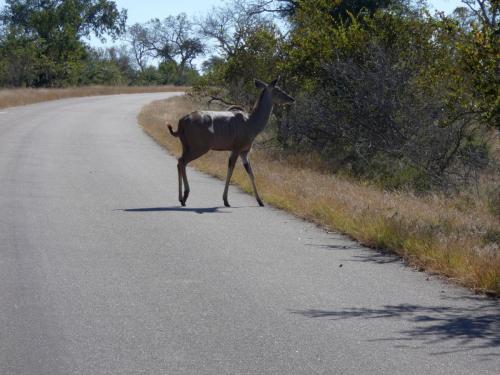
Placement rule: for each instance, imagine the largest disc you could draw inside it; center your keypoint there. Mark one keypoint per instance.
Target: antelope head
(278, 96)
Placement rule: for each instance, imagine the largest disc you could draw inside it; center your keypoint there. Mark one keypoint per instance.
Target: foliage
(386, 91)
(249, 46)
(379, 98)
(169, 40)
(65, 20)
(42, 45)
(54, 29)
(256, 58)
(478, 46)
(137, 37)
(20, 61)
(104, 66)
(230, 26)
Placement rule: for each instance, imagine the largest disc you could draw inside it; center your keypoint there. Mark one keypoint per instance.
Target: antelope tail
(175, 134)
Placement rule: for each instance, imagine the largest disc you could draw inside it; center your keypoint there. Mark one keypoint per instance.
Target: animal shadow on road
(463, 329)
(198, 210)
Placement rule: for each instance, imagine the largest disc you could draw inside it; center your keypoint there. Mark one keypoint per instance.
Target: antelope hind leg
(179, 174)
(232, 161)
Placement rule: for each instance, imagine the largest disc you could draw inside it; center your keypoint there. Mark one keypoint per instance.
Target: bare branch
(216, 98)
(230, 25)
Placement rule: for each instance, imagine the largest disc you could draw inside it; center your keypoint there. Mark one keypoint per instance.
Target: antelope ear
(259, 84)
(273, 83)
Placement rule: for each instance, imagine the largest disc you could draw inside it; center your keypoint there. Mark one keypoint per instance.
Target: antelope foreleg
(248, 168)
(186, 184)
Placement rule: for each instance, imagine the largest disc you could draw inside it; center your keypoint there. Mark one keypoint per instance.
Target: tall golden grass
(443, 235)
(17, 97)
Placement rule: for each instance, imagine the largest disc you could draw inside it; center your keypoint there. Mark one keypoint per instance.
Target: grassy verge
(17, 97)
(456, 237)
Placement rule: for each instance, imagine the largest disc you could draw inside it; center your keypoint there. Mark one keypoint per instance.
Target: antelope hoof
(183, 203)
(226, 203)
(184, 199)
(260, 203)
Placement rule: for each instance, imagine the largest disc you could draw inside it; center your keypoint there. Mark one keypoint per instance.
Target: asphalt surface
(101, 271)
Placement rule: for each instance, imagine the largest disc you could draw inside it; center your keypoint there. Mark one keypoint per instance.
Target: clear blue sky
(144, 10)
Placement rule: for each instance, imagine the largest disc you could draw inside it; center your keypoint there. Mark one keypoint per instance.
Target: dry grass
(17, 97)
(455, 237)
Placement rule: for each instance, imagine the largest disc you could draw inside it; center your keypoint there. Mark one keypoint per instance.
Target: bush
(379, 103)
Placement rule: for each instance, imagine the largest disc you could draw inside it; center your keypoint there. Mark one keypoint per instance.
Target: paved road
(102, 273)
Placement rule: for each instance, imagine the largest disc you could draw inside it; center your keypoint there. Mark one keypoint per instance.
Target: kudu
(232, 130)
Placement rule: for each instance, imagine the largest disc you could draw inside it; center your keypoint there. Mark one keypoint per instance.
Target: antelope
(231, 130)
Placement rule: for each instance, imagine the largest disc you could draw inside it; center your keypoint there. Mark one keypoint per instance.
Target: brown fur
(232, 130)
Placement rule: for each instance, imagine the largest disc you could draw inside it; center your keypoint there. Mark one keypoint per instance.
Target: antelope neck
(261, 112)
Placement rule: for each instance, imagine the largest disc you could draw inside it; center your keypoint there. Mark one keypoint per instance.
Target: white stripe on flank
(211, 127)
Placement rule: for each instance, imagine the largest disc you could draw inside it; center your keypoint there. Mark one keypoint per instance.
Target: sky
(144, 10)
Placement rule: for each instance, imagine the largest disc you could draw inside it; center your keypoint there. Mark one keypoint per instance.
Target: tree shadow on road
(476, 327)
(378, 256)
(198, 210)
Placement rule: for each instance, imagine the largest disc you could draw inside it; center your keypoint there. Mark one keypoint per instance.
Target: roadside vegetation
(45, 53)
(46, 44)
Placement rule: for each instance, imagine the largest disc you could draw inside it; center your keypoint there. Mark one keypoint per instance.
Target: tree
(75, 18)
(387, 95)
(56, 28)
(120, 57)
(486, 11)
(257, 57)
(173, 39)
(478, 48)
(246, 42)
(101, 68)
(229, 26)
(137, 37)
(384, 89)
(19, 61)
